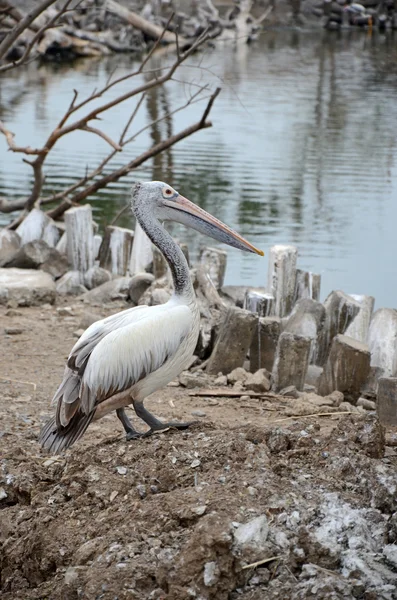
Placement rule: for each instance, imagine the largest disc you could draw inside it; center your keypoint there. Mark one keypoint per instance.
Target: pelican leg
(156, 424)
(132, 434)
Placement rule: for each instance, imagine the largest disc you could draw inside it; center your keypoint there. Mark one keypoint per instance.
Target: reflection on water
(303, 149)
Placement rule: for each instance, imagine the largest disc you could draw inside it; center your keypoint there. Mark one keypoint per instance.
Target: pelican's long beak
(191, 215)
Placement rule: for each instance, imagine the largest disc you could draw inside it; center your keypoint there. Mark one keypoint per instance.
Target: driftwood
(227, 393)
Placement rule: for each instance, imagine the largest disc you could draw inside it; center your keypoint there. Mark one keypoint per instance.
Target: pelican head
(158, 199)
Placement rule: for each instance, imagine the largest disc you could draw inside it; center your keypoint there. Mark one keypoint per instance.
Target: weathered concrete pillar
(115, 251)
(291, 361)
(80, 237)
(233, 342)
(340, 311)
(382, 341)
(347, 368)
(264, 343)
(214, 262)
(282, 278)
(387, 400)
(258, 302)
(307, 285)
(142, 253)
(97, 245)
(307, 319)
(38, 226)
(359, 327)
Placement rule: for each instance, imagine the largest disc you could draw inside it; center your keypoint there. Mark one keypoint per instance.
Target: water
(303, 149)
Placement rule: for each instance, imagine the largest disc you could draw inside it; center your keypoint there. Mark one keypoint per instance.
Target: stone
(62, 244)
(291, 361)
(264, 343)
(38, 226)
(313, 375)
(159, 296)
(141, 253)
(88, 319)
(282, 278)
(221, 380)
(78, 333)
(289, 392)
(138, 285)
(340, 311)
(307, 285)
(346, 406)
(26, 287)
(235, 294)
(115, 250)
(39, 255)
(387, 401)
(318, 400)
(359, 327)
(70, 284)
(233, 342)
(346, 369)
(258, 382)
(116, 289)
(382, 341)
(198, 413)
(80, 237)
(252, 535)
(13, 330)
(96, 276)
(259, 303)
(367, 404)
(211, 574)
(307, 319)
(194, 380)
(10, 243)
(236, 375)
(214, 262)
(336, 397)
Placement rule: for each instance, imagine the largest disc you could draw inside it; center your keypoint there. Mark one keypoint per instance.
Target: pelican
(124, 358)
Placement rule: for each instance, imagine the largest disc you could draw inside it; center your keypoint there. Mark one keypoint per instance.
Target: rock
(291, 361)
(387, 400)
(346, 369)
(282, 278)
(367, 404)
(390, 553)
(289, 392)
(235, 294)
(340, 311)
(336, 397)
(307, 285)
(245, 398)
(346, 406)
(26, 287)
(198, 413)
(88, 319)
(115, 250)
(221, 380)
(371, 437)
(70, 284)
(259, 303)
(96, 276)
(10, 243)
(159, 296)
(211, 574)
(252, 534)
(138, 285)
(78, 333)
(307, 319)
(194, 380)
(233, 342)
(13, 330)
(317, 400)
(214, 262)
(38, 226)
(313, 375)
(65, 311)
(382, 341)
(115, 289)
(62, 244)
(359, 327)
(142, 253)
(236, 375)
(87, 551)
(39, 255)
(264, 343)
(80, 237)
(258, 382)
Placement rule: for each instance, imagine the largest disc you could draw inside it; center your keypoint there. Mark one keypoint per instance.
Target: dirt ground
(163, 517)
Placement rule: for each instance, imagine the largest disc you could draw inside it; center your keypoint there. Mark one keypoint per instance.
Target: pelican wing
(116, 352)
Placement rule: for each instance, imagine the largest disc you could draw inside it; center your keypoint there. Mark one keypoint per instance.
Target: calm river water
(303, 149)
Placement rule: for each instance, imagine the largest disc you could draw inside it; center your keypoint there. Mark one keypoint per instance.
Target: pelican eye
(169, 193)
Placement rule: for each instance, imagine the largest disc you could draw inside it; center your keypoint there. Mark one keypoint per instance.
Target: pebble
(3, 494)
(245, 398)
(121, 470)
(65, 311)
(200, 510)
(195, 463)
(113, 495)
(11, 312)
(289, 392)
(78, 333)
(141, 490)
(221, 380)
(198, 413)
(13, 330)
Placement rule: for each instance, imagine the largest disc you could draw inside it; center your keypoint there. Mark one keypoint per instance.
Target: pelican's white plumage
(122, 359)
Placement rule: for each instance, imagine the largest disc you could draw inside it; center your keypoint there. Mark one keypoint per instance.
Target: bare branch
(24, 24)
(209, 105)
(12, 146)
(103, 136)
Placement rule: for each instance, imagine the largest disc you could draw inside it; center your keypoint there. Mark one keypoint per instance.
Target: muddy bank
(163, 517)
